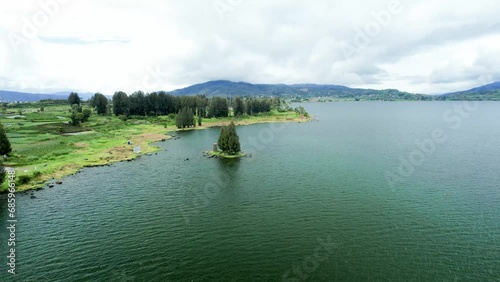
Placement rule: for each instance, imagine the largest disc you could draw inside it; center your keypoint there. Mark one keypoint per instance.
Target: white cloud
(427, 47)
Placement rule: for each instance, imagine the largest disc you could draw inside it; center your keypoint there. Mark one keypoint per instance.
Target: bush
(23, 179)
(86, 115)
(123, 117)
(37, 173)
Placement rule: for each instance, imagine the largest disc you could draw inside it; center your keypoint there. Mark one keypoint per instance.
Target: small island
(229, 144)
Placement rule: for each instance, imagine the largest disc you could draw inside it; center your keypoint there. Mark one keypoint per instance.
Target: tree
(218, 107)
(152, 104)
(86, 115)
(74, 99)
(100, 103)
(179, 122)
(137, 103)
(239, 107)
(5, 147)
(229, 141)
(76, 118)
(121, 103)
(300, 110)
(185, 118)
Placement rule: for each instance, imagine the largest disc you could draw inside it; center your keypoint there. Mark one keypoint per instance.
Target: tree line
(161, 103)
(189, 110)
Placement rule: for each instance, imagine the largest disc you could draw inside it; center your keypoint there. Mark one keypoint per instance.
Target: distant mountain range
(296, 91)
(12, 96)
(311, 91)
(229, 88)
(485, 92)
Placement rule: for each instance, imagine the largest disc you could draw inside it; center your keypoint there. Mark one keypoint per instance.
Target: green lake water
(313, 203)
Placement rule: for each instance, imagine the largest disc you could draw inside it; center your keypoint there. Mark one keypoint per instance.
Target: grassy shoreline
(43, 142)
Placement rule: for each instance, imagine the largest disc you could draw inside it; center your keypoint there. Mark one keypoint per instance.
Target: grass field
(46, 147)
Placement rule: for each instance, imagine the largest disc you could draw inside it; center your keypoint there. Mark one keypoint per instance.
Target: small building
(137, 149)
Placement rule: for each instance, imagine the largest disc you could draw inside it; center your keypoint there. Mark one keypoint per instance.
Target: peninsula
(52, 139)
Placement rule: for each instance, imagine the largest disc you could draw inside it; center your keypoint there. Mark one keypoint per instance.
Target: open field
(46, 147)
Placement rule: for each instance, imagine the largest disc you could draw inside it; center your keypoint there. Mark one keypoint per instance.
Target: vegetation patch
(220, 154)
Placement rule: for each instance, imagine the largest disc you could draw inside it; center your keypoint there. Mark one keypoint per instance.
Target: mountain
(12, 96)
(229, 88)
(298, 92)
(487, 87)
(303, 91)
(486, 92)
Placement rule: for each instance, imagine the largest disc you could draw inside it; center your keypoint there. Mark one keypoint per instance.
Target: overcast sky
(423, 46)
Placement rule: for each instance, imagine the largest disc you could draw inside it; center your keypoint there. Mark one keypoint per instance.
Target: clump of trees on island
(229, 141)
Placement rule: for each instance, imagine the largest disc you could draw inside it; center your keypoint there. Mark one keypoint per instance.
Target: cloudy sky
(108, 45)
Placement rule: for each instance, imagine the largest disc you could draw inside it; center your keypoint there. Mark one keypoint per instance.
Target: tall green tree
(185, 118)
(229, 141)
(239, 107)
(152, 104)
(121, 103)
(137, 103)
(5, 147)
(100, 103)
(219, 107)
(74, 99)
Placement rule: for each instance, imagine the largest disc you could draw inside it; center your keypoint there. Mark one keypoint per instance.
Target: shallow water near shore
(322, 185)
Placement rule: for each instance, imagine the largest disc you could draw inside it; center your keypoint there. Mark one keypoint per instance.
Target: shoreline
(124, 152)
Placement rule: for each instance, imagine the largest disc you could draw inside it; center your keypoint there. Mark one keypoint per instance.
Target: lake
(369, 191)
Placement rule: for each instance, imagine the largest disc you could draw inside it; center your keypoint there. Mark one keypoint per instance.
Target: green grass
(39, 144)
